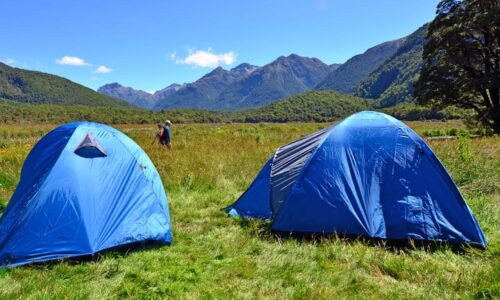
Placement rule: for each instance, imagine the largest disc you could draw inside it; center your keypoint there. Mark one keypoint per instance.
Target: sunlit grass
(214, 256)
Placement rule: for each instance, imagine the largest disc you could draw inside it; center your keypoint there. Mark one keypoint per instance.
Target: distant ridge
(345, 77)
(283, 77)
(135, 97)
(392, 82)
(203, 92)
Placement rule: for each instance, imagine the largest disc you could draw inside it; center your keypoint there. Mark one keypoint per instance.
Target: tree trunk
(495, 99)
(495, 112)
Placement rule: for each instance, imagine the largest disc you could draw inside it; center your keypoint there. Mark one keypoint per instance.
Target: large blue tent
(85, 187)
(369, 175)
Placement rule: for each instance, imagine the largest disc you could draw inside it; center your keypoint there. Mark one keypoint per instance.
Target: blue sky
(150, 44)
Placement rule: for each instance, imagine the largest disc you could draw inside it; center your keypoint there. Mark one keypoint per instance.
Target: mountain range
(283, 77)
(203, 92)
(243, 86)
(137, 98)
(384, 72)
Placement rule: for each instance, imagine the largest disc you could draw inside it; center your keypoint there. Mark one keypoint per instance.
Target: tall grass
(214, 256)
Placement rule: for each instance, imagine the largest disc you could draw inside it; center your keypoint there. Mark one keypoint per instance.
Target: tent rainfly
(370, 175)
(85, 187)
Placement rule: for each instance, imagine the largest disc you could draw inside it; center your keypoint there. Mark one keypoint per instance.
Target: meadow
(217, 257)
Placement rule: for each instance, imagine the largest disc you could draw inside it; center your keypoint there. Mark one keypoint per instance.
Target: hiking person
(163, 134)
(159, 135)
(166, 134)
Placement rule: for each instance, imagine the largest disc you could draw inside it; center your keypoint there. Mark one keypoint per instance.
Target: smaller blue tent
(85, 187)
(369, 175)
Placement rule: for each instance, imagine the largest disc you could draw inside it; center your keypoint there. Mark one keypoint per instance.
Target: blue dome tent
(85, 187)
(370, 175)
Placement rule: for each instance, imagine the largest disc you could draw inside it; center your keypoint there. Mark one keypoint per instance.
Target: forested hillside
(308, 107)
(318, 106)
(315, 106)
(345, 77)
(37, 87)
(392, 82)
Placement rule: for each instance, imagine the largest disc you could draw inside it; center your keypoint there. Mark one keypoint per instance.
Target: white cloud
(207, 59)
(172, 56)
(102, 70)
(8, 61)
(71, 61)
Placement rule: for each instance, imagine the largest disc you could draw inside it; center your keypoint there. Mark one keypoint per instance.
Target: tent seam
(306, 165)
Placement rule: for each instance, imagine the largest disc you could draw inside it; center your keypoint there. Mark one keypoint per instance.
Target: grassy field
(214, 256)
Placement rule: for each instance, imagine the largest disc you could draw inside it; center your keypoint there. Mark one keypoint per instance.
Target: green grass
(215, 256)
